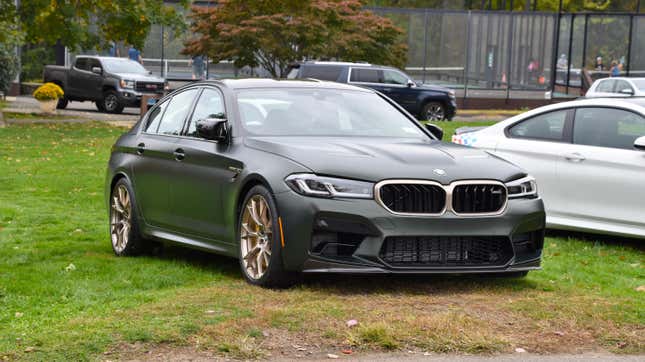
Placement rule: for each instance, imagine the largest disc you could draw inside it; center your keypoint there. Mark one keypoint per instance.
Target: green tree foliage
(7, 67)
(273, 33)
(91, 24)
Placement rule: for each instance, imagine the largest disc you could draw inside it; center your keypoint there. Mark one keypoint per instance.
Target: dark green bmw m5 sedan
(297, 177)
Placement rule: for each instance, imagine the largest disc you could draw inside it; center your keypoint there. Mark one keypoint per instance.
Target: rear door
(156, 148)
(536, 144)
(601, 173)
(202, 176)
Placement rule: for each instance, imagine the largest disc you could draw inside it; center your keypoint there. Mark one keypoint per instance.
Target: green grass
(35, 116)
(53, 216)
(449, 128)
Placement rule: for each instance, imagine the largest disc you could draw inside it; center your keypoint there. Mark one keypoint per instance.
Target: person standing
(114, 50)
(615, 69)
(599, 65)
(198, 67)
(135, 54)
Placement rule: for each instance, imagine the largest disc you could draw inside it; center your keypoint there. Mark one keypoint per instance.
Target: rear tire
(62, 103)
(110, 102)
(99, 106)
(434, 111)
(258, 234)
(124, 223)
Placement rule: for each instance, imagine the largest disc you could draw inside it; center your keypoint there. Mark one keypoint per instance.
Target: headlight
(313, 185)
(127, 83)
(451, 94)
(522, 188)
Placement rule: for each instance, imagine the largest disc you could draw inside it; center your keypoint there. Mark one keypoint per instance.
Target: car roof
(250, 83)
(348, 64)
(620, 78)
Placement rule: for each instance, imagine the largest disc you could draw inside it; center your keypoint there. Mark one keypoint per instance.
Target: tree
(274, 33)
(92, 24)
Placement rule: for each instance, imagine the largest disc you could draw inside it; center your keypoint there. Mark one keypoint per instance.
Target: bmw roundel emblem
(439, 171)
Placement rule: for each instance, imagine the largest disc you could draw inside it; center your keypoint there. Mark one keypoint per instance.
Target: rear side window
(178, 108)
(607, 127)
(155, 117)
(322, 72)
(366, 75)
(605, 86)
(622, 85)
(81, 63)
(548, 126)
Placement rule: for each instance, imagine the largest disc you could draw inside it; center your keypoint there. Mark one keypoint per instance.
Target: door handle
(179, 154)
(574, 157)
(140, 148)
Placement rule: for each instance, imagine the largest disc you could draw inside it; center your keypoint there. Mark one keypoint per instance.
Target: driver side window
(392, 77)
(209, 105)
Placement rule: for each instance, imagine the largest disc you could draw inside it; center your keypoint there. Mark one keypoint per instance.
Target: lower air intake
(446, 251)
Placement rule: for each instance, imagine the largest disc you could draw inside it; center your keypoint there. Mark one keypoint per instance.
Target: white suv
(617, 87)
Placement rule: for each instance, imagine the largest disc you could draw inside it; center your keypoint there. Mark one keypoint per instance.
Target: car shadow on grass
(343, 284)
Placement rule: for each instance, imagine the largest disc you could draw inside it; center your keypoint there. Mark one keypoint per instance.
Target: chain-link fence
(480, 54)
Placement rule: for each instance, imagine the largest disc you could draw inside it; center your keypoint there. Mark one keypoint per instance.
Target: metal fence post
(556, 46)
(465, 77)
(573, 20)
(162, 65)
(510, 58)
(629, 42)
(425, 44)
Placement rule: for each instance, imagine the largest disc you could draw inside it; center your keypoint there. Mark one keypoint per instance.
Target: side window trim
(163, 112)
(567, 131)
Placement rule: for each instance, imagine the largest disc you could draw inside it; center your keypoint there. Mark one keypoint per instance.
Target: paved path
(75, 110)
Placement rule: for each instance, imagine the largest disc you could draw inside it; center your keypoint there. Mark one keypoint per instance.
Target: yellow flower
(48, 92)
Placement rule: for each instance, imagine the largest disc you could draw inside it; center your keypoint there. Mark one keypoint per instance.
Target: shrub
(48, 92)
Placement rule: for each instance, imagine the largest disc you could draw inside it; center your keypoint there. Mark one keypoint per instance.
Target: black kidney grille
(438, 251)
(413, 198)
(477, 199)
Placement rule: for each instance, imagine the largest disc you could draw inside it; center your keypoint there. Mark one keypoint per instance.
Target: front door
(601, 173)
(536, 144)
(201, 176)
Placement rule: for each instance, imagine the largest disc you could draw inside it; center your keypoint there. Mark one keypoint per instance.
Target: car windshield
(123, 66)
(322, 112)
(639, 83)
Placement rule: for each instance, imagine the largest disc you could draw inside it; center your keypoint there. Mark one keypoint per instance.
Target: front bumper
(357, 230)
(130, 98)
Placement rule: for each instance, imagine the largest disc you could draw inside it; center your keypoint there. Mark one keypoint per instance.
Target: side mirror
(97, 70)
(627, 91)
(639, 144)
(411, 84)
(435, 130)
(214, 129)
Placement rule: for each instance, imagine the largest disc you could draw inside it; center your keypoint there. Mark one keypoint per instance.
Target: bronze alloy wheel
(256, 234)
(120, 218)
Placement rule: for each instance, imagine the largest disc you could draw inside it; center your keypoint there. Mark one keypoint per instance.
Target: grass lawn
(64, 296)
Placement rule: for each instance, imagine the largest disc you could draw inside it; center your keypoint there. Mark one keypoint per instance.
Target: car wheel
(124, 224)
(260, 241)
(434, 111)
(62, 103)
(110, 102)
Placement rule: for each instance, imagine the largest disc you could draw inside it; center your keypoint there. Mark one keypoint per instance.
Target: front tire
(434, 111)
(124, 223)
(260, 241)
(62, 103)
(110, 102)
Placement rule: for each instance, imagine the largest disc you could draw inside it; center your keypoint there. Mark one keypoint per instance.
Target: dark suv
(422, 100)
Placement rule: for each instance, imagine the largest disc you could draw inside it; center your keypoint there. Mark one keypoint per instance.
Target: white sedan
(588, 158)
(617, 87)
